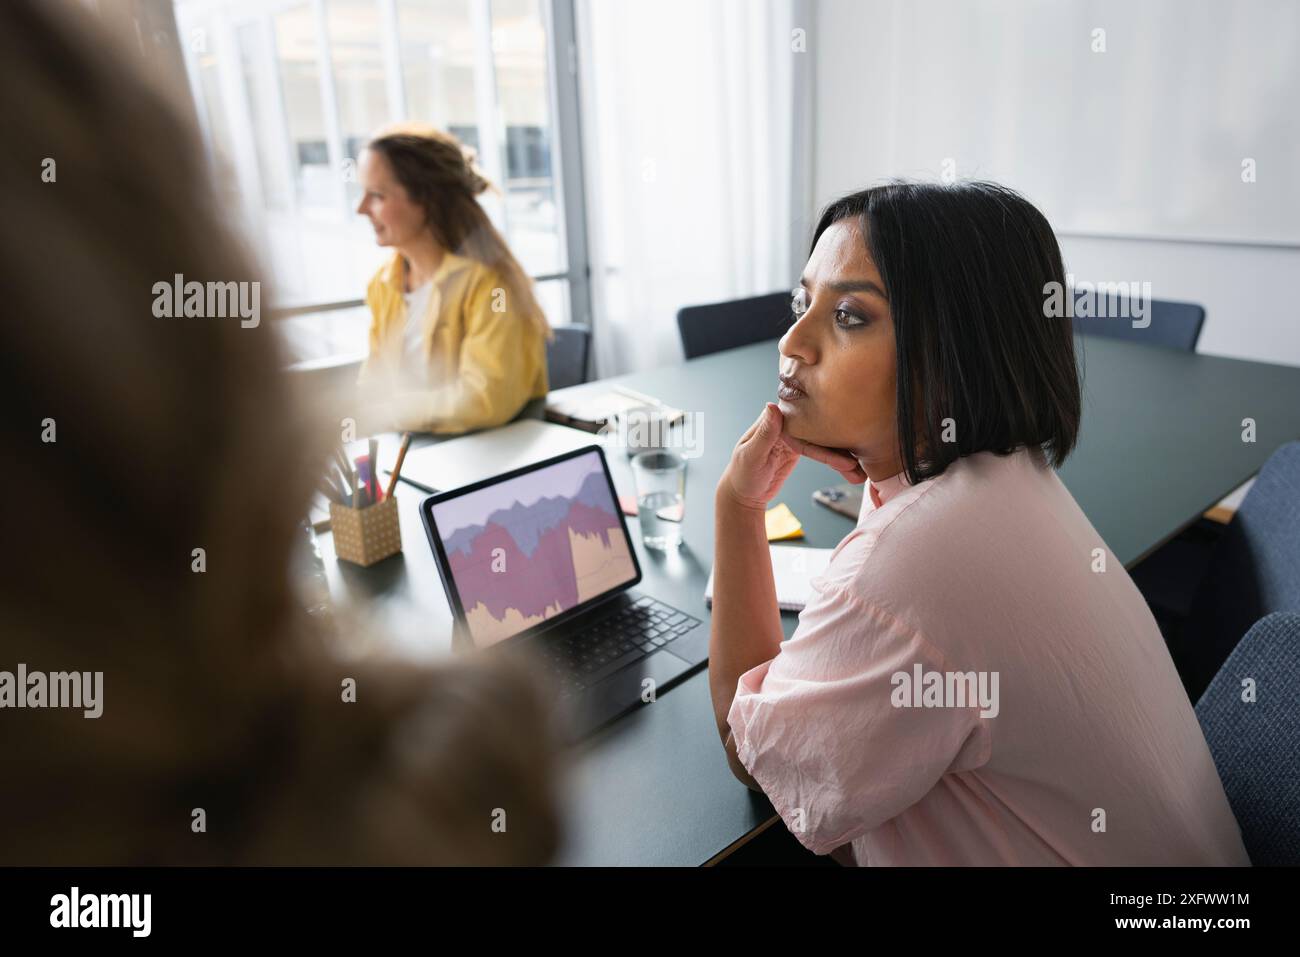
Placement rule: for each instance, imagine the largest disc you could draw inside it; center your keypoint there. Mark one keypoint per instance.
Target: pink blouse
(977, 680)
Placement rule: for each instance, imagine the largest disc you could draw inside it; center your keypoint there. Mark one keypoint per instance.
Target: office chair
(727, 325)
(566, 355)
(1252, 570)
(331, 375)
(1256, 744)
(1175, 325)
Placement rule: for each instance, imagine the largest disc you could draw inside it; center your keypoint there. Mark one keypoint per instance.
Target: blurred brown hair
(171, 435)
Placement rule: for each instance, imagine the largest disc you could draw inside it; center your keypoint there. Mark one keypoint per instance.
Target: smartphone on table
(845, 499)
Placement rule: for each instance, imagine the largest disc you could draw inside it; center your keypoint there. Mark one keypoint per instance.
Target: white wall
(1128, 157)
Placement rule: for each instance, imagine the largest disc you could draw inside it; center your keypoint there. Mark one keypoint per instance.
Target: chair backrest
(726, 325)
(1175, 325)
(1253, 730)
(1254, 571)
(566, 356)
(332, 375)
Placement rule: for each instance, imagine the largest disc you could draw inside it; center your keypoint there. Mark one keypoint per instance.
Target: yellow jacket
(485, 360)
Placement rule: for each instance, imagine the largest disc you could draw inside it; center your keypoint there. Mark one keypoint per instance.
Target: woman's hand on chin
(766, 455)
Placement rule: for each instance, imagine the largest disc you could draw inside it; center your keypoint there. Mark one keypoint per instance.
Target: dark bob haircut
(966, 268)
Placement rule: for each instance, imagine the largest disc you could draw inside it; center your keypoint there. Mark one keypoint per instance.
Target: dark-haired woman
(976, 679)
(457, 340)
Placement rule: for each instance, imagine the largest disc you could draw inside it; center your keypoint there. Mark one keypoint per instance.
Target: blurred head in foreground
(135, 439)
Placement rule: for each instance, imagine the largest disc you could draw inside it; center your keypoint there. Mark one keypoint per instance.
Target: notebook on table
(590, 406)
(459, 461)
(794, 568)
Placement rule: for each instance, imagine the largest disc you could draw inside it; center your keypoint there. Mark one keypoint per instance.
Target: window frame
(225, 20)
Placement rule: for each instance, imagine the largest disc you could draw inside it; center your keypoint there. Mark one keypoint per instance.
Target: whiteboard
(1152, 128)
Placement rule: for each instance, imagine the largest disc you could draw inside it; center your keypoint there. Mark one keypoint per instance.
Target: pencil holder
(364, 536)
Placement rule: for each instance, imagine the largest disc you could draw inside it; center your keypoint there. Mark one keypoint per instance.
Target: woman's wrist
(725, 498)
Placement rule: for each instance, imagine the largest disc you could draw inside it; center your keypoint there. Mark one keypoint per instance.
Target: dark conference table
(1161, 442)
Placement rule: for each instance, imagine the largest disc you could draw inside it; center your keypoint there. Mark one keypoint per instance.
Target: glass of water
(660, 497)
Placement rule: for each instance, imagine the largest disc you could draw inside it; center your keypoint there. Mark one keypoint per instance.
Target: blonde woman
(457, 340)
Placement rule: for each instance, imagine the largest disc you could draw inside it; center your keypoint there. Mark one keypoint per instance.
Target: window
(274, 177)
(288, 91)
(298, 70)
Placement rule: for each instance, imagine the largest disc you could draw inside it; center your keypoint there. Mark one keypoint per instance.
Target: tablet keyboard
(630, 632)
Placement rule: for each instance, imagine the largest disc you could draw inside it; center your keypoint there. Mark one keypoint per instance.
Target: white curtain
(696, 119)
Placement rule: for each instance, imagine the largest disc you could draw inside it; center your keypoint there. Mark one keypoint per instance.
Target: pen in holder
(366, 535)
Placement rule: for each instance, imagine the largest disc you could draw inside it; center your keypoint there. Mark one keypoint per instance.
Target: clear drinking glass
(660, 497)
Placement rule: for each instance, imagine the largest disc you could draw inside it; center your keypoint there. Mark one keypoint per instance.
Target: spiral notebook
(794, 568)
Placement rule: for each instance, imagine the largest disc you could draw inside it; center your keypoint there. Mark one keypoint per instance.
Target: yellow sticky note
(781, 524)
